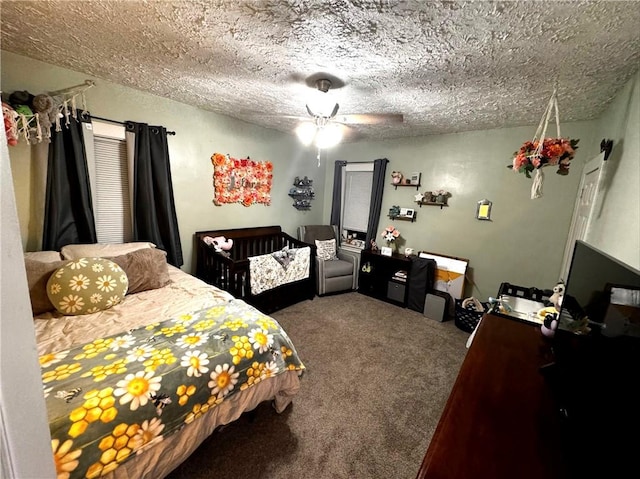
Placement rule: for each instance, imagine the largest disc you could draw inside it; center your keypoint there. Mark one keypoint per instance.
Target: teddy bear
(44, 105)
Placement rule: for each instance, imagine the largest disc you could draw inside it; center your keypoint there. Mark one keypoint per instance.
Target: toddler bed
(253, 268)
(132, 390)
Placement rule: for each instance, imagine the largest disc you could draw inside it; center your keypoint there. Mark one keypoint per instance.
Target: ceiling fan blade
(370, 119)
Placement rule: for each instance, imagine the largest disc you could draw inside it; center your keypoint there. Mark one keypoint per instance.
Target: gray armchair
(332, 276)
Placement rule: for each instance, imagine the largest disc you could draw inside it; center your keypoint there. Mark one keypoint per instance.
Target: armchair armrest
(353, 257)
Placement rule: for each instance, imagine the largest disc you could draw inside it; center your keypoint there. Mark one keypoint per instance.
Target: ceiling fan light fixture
(322, 104)
(306, 132)
(328, 136)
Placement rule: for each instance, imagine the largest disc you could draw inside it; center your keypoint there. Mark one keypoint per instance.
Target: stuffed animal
(220, 243)
(558, 293)
(549, 325)
(43, 105)
(550, 319)
(10, 124)
(396, 177)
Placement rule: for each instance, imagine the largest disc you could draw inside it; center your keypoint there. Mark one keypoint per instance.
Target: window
(110, 184)
(356, 201)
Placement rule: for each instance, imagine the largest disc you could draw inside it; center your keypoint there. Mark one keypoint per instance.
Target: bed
(132, 390)
(249, 270)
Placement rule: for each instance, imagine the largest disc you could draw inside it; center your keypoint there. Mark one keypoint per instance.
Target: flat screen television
(602, 295)
(597, 368)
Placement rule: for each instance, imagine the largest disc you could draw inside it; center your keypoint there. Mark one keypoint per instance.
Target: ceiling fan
(326, 127)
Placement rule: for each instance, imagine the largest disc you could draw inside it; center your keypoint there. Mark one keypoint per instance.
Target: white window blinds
(358, 181)
(112, 210)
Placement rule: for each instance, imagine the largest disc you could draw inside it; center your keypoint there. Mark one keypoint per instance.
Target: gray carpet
(377, 379)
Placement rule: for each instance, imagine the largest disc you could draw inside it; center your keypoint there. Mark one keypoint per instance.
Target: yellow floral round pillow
(87, 285)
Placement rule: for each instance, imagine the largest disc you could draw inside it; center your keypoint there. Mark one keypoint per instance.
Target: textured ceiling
(447, 66)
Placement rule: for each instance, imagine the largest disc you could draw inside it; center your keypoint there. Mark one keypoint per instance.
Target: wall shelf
(402, 184)
(412, 180)
(403, 218)
(431, 203)
(302, 193)
(402, 214)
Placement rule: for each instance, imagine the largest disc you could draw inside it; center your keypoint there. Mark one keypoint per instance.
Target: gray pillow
(38, 273)
(146, 269)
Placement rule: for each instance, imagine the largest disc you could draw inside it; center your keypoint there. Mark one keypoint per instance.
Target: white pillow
(43, 256)
(102, 250)
(326, 249)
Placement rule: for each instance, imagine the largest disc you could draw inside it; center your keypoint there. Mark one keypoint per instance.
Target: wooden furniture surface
(500, 420)
(231, 272)
(376, 276)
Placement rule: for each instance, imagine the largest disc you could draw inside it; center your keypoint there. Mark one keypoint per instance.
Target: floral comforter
(117, 396)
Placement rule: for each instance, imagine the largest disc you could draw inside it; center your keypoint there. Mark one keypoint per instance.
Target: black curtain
(68, 209)
(379, 171)
(336, 204)
(154, 212)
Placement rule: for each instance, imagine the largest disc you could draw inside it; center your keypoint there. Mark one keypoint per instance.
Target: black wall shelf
(402, 184)
(431, 203)
(302, 193)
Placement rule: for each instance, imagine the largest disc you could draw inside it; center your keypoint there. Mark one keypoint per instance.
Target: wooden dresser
(500, 420)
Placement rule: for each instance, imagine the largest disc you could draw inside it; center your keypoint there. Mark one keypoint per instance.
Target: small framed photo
(415, 178)
(385, 251)
(483, 211)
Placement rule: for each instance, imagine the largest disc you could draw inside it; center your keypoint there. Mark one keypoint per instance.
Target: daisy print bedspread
(115, 397)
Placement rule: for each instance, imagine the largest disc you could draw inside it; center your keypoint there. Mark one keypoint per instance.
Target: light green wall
(524, 242)
(199, 134)
(615, 227)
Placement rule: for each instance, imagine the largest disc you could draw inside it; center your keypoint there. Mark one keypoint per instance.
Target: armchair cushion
(337, 267)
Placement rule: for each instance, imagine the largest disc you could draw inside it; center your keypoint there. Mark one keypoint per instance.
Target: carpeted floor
(377, 379)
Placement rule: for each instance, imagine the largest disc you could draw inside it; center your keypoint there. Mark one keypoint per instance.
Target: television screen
(596, 371)
(601, 294)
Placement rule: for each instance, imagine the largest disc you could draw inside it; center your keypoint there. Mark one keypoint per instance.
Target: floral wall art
(241, 180)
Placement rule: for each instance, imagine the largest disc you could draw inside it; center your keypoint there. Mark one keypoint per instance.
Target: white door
(583, 209)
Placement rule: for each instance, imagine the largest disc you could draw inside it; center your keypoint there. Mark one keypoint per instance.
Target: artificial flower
(554, 151)
(390, 234)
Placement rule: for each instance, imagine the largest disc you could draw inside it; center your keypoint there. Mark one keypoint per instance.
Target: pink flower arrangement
(555, 151)
(390, 234)
(241, 180)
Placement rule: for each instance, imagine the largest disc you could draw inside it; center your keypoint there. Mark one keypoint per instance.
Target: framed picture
(483, 211)
(386, 251)
(415, 178)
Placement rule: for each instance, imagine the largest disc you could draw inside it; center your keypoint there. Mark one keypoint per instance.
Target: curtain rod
(121, 122)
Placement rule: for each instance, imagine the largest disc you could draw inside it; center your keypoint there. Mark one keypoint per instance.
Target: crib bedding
(133, 390)
(271, 270)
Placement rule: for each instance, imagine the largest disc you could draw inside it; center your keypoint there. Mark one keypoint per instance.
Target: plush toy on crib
(220, 244)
